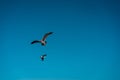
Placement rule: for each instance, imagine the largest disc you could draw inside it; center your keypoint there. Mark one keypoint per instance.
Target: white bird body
(43, 42)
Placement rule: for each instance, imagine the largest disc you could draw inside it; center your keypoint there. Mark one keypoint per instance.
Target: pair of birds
(43, 42)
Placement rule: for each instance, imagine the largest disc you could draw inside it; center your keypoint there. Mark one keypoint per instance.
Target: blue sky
(84, 45)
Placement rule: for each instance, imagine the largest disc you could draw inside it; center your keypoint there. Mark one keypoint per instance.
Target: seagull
(43, 57)
(43, 40)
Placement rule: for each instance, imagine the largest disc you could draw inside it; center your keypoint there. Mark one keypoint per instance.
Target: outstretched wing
(46, 35)
(44, 55)
(36, 41)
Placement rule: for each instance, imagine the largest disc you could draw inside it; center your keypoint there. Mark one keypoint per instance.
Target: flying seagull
(43, 57)
(43, 40)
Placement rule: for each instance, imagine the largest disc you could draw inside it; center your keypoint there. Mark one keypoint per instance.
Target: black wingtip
(50, 32)
(45, 55)
(32, 43)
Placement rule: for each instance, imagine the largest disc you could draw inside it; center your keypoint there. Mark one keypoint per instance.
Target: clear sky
(85, 44)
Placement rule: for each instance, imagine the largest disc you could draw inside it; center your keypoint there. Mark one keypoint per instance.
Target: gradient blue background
(85, 44)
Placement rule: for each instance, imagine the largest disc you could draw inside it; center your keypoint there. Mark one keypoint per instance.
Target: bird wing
(46, 35)
(35, 41)
(44, 55)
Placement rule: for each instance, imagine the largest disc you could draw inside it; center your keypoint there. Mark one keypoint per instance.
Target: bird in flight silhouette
(43, 57)
(43, 40)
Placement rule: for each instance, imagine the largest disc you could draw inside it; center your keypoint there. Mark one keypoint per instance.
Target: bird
(43, 40)
(43, 57)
